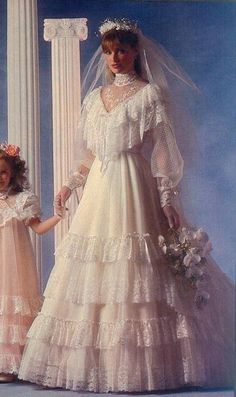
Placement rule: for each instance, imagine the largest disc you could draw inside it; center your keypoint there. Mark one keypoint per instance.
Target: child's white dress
(19, 291)
(115, 318)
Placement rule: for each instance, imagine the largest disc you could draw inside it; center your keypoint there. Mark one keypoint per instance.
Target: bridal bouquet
(186, 252)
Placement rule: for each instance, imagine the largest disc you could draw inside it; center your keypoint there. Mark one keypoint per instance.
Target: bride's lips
(115, 65)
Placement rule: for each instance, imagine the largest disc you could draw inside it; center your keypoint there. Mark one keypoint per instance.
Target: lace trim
(133, 247)
(10, 363)
(13, 334)
(25, 208)
(108, 134)
(153, 332)
(20, 305)
(104, 335)
(122, 369)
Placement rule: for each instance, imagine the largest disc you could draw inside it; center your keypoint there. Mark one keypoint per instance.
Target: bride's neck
(122, 79)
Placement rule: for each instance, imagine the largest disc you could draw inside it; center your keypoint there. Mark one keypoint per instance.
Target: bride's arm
(82, 162)
(167, 167)
(77, 179)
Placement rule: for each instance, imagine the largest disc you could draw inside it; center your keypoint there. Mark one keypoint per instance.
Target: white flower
(161, 240)
(194, 271)
(175, 249)
(162, 243)
(201, 236)
(191, 258)
(185, 235)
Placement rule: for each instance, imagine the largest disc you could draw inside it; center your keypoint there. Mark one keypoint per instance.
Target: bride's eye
(121, 51)
(107, 52)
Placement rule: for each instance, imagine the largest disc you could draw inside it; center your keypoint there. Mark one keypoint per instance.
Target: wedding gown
(115, 318)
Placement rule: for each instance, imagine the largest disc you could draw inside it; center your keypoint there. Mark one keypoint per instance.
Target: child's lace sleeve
(31, 208)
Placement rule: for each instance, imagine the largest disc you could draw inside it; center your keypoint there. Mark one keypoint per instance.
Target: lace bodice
(22, 206)
(134, 114)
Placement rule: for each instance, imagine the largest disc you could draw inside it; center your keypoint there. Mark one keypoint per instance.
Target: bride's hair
(122, 37)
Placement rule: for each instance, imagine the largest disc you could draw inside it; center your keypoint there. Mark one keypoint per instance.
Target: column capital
(66, 27)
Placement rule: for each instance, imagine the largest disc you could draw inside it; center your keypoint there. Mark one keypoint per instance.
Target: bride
(115, 316)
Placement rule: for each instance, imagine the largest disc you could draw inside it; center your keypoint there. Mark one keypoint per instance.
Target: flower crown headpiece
(118, 24)
(10, 149)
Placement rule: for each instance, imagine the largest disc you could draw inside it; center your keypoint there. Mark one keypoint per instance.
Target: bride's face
(120, 58)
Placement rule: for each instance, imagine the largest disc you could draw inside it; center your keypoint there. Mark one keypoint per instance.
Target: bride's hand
(172, 216)
(60, 200)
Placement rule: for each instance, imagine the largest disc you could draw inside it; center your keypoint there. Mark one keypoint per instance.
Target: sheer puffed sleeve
(30, 207)
(82, 156)
(166, 160)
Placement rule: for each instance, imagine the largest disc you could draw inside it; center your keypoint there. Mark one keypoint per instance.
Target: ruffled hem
(125, 369)
(115, 270)
(10, 363)
(105, 335)
(25, 306)
(130, 269)
(132, 247)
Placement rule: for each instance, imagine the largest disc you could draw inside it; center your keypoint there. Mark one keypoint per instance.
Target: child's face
(5, 175)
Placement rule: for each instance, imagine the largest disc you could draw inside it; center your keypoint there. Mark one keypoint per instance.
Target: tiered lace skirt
(19, 293)
(114, 316)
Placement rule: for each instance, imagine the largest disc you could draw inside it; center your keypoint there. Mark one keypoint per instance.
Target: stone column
(23, 90)
(65, 36)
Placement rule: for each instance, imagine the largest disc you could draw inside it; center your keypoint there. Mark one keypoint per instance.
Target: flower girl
(19, 290)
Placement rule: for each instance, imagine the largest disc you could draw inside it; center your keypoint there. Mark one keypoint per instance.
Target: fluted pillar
(23, 90)
(65, 36)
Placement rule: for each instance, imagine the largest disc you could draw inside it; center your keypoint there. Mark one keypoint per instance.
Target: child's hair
(19, 180)
(114, 36)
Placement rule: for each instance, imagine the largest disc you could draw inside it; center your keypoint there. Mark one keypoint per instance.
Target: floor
(23, 389)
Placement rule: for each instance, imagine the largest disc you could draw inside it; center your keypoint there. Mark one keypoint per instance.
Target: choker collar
(125, 78)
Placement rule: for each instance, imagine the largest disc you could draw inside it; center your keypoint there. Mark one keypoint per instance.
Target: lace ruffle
(104, 335)
(133, 247)
(108, 134)
(10, 363)
(154, 332)
(25, 207)
(88, 270)
(20, 305)
(122, 369)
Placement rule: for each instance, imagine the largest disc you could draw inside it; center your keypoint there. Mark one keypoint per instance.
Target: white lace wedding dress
(115, 318)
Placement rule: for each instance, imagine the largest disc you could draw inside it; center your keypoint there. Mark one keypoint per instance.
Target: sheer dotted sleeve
(166, 161)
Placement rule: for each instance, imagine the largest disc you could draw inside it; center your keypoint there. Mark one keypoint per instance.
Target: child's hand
(60, 199)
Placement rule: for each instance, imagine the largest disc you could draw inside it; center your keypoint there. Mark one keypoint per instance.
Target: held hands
(172, 216)
(60, 200)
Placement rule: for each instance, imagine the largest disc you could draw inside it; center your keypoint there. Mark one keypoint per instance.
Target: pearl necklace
(122, 79)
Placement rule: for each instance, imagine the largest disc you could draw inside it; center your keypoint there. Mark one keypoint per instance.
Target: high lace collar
(122, 79)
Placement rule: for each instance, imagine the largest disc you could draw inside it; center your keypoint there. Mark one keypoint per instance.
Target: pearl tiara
(118, 24)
